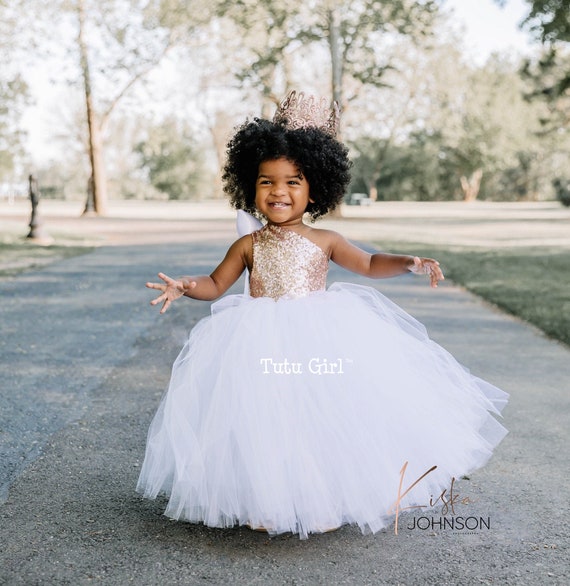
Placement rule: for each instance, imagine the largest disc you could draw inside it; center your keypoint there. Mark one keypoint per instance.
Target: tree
(351, 32)
(13, 96)
(116, 44)
(268, 31)
(130, 63)
(549, 81)
(460, 137)
(415, 101)
(354, 31)
(484, 135)
(549, 19)
(13, 92)
(172, 160)
(549, 22)
(549, 76)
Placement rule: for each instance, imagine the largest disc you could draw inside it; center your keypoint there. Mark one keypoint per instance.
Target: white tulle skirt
(299, 415)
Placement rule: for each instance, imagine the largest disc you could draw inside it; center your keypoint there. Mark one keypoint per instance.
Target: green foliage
(549, 19)
(20, 255)
(472, 126)
(522, 180)
(13, 89)
(174, 165)
(348, 31)
(13, 97)
(416, 171)
(562, 187)
(513, 279)
(420, 120)
(549, 80)
(362, 25)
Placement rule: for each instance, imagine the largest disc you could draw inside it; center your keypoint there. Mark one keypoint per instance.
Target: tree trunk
(98, 177)
(336, 59)
(471, 186)
(220, 126)
(336, 73)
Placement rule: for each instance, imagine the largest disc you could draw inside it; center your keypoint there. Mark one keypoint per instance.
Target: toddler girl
(296, 407)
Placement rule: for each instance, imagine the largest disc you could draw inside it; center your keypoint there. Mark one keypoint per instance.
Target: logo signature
(447, 499)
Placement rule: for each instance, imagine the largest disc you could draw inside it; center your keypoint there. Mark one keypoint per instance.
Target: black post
(89, 209)
(35, 223)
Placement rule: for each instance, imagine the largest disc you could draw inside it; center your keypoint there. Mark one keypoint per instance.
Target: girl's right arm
(206, 287)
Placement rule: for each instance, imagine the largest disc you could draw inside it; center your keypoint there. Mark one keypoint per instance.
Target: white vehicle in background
(358, 199)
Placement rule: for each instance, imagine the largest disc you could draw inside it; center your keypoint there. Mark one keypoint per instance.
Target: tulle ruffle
(299, 414)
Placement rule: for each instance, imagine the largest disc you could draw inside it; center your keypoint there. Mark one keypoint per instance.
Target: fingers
(159, 299)
(170, 290)
(435, 273)
(430, 267)
(161, 286)
(164, 299)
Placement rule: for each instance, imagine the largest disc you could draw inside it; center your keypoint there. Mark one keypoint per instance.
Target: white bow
(246, 224)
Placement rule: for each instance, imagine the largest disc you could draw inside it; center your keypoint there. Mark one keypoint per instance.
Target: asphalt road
(84, 361)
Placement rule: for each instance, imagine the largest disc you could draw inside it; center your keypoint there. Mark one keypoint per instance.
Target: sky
(487, 28)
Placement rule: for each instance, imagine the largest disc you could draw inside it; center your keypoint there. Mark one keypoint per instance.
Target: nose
(278, 190)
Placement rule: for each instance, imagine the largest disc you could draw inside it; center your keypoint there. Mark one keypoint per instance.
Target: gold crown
(300, 111)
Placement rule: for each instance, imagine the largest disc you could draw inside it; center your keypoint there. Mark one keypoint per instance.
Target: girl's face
(281, 192)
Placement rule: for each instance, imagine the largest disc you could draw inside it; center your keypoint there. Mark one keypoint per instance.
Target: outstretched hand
(428, 266)
(170, 290)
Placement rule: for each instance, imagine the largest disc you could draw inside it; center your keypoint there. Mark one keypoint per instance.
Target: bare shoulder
(327, 239)
(244, 242)
(243, 247)
(342, 251)
(237, 258)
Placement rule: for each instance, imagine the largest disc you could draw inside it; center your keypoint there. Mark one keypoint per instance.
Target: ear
(311, 200)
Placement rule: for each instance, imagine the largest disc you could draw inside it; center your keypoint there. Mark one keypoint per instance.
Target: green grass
(530, 283)
(17, 256)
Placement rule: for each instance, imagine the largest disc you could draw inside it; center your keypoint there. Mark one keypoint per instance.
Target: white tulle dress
(295, 408)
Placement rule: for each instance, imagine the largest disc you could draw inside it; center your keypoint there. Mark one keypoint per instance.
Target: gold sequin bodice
(286, 264)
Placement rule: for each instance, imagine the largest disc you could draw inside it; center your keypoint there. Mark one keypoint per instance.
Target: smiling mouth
(279, 205)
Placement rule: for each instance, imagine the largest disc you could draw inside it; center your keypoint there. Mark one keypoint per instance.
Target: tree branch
(144, 71)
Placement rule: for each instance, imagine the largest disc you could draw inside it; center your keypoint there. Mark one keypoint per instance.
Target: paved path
(84, 361)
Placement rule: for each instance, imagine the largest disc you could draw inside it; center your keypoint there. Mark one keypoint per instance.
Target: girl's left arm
(381, 264)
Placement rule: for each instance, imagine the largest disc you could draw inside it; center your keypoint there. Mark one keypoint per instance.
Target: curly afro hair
(320, 158)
